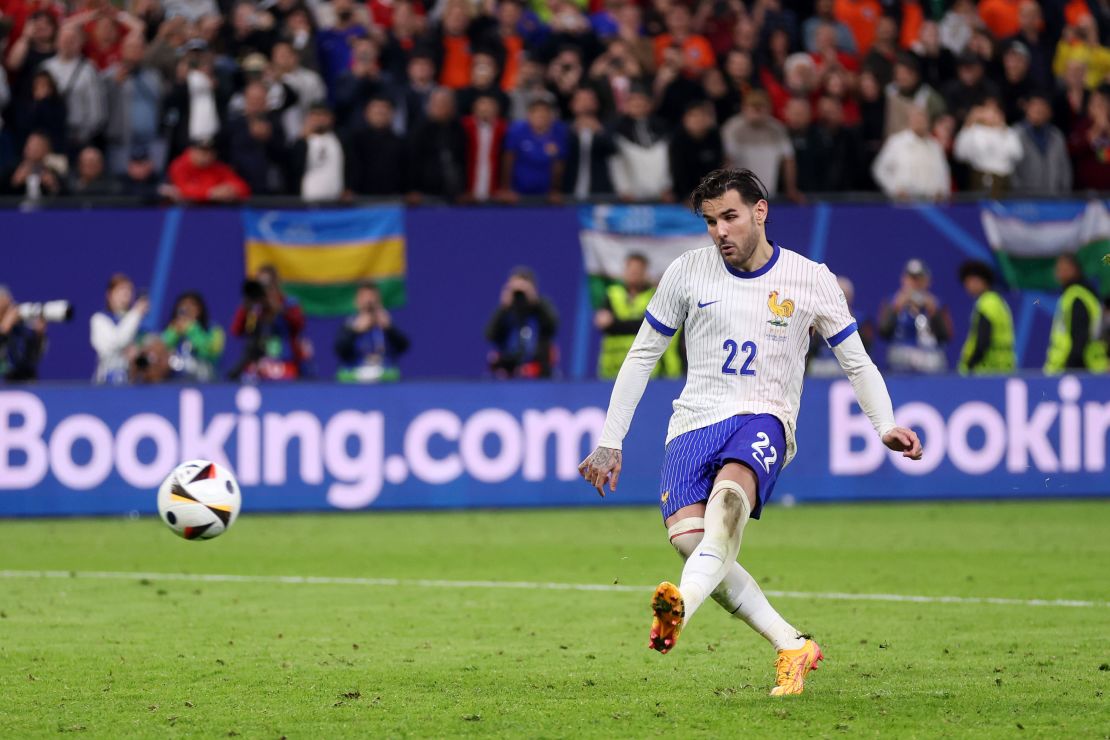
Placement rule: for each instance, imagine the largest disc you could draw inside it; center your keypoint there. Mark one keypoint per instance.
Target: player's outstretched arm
(873, 397)
(604, 463)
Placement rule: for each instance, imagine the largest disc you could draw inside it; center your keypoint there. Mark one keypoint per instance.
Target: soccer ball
(199, 500)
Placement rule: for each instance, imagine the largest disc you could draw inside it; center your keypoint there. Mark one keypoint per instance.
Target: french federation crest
(780, 310)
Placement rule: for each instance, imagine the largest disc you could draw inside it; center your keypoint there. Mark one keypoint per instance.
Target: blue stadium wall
(458, 260)
(67, 448)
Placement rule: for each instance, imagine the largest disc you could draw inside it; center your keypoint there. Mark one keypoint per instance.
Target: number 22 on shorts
(760, 449)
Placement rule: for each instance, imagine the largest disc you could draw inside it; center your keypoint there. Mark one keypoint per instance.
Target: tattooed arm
(604, 463)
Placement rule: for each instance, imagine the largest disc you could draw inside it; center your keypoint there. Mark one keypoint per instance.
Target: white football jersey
(747, 333)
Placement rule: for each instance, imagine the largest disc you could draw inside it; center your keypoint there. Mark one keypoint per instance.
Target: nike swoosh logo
(710, 303)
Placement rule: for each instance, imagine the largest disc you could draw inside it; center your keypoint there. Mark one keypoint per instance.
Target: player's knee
(733, 503)
(686, 535)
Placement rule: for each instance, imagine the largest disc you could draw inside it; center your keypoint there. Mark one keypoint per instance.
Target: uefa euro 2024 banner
(103, 451)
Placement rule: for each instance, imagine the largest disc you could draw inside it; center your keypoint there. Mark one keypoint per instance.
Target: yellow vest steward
(614, 347)
(991, 307)
(1059, 342)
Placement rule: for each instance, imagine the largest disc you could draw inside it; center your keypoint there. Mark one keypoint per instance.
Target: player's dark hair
(979, 269)
(719, 182)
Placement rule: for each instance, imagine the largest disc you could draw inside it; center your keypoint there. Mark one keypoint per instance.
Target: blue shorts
(694, 458)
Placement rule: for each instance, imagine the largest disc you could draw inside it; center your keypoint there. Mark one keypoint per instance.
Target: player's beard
(744, 250)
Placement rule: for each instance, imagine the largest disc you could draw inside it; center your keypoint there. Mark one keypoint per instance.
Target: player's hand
(901, 439)
(603, 464)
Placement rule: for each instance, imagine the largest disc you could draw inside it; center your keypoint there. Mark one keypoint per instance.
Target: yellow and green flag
(322, 256)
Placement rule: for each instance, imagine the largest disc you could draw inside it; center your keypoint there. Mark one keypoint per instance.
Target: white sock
(739, 594)
(725, 516)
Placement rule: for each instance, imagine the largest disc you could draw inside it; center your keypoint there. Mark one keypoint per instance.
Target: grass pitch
(140, 656)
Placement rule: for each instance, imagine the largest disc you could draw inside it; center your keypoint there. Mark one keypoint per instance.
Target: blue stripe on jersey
(843, 334)
(761, 271)
(658, 325)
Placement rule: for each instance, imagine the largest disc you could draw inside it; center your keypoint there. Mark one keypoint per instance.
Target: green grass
(161, 658)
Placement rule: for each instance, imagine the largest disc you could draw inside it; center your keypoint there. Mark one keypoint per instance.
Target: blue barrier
(458, 259)
(69, 450)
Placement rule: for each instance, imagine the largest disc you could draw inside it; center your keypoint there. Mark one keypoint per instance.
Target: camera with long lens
(55, 311)
(254, 291)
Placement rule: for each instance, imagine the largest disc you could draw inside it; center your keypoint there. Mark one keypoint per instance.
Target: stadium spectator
(420, 77)
(453, 47)
(79, 85)
(970, 88)
(522, 330)
(271, 326)
(1015, 84)
(589, 146)
(884, 53)
(437, 149)
(907, 92)
(915, 324)
(40, 174)
(25, 56)
(1044, 167)
(1089, 144)
(989, 147)
(317, 160)
(112, 332)
(356, 86)
(989, 348)
(485, 142)
(564, 76)
(1001, 17)
(798, 119)
(838, 150)
(695, 48)
(301, 33)
(1080, 45)
(194, 345)
(823, 15)
(1074, 343)
(369, 345)
(862, 17)
(1039, 39)
(140, 180)
(255, 143)
(484, 81)
(89, 177)
(250, 31)
(911, 164)
(336, 42)
(937, 63)
(957, 25)
(45, 113)
(695, 149)
(149, 361)
(725, 98)
(306, 83)
(872, 127)
(197, 102)
(639, 168)
(535, 153)
(22, 343)
(134, 100)
(619, 318)
(675, 87)
(197, 176)
(753, 140)
(1069, 105)
(376, 143)
(827, 56)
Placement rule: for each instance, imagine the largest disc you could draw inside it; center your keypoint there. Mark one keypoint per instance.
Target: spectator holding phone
(113, 331)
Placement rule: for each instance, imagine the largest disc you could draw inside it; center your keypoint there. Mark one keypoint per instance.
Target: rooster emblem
(782, 310)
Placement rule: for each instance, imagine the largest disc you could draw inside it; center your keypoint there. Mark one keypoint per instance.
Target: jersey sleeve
(832, 318)
(668, 307)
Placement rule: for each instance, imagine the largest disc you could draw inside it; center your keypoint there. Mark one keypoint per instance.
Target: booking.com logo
(349, 448)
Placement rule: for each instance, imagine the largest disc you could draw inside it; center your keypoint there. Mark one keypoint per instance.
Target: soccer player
(746, 305)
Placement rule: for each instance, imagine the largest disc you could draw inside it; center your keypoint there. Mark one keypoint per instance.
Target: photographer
(915, 324)
(21, 343)
(369, 344)
(522, 329)
(112, 332)
(194, 347)
(271, 325)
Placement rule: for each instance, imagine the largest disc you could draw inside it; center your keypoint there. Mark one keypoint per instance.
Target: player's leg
(727, 512)
(739, 594)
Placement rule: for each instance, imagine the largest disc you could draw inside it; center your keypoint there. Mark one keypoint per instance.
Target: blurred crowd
(475, 100)
(913, 323)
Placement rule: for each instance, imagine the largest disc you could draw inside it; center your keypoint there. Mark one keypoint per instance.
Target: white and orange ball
(199, 500)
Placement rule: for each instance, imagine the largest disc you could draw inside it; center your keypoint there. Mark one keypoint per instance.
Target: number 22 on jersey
(732, 348)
